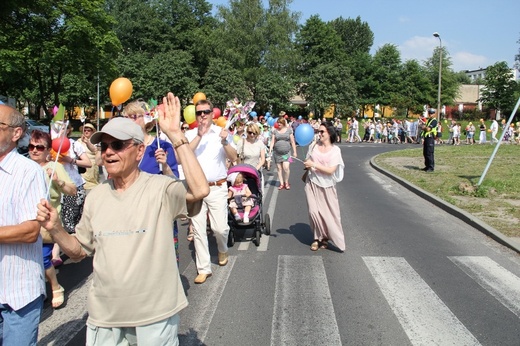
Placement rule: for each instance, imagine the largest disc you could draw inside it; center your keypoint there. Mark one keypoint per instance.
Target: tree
(325, 78)
(52, 43)
(357, 37)
(499, 87)
(255, 40)
(414, 88)
(386, 73)
(449, 85)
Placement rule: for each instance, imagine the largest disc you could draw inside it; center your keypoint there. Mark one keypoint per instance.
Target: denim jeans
(20, 328)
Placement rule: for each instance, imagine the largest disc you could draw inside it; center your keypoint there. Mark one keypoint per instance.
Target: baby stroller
(260, 222)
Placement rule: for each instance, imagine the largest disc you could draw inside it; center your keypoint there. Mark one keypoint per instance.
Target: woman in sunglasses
(325, 166)
(251, 150)
(60, 184)
(157, 159)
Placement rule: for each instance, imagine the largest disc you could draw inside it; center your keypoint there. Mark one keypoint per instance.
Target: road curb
(451, 209)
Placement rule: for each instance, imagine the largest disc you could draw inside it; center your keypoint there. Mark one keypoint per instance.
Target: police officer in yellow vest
(429, 133)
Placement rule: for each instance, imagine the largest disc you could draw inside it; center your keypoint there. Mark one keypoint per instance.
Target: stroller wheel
(231, 238)
(267, 224)
(258, 234)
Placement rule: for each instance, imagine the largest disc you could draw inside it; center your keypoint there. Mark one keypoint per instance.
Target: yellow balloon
(198, 96)
(221, 121)
(236, 138)
(189, 114)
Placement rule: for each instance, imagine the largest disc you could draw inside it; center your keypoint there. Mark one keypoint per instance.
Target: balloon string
(158, 143)
(63, 136)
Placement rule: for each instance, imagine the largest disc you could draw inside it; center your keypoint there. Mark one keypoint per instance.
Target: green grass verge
(457, 171)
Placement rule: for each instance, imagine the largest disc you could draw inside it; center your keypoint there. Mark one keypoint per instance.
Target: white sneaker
(237, 217)
(246, 219)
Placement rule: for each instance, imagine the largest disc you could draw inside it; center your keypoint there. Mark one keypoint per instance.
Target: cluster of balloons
(191, 118)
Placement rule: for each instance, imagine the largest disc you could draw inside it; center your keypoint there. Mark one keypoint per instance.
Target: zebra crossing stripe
(425, 319)
(196, 318)
(498, 281)
(58, 328)
(313, 322)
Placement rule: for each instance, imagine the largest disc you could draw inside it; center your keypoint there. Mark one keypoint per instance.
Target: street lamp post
(436, 34)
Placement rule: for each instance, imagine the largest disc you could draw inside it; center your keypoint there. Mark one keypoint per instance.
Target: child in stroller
(239, 196)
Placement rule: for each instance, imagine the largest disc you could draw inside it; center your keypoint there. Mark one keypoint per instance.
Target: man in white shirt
(22, 285)
(212, 146)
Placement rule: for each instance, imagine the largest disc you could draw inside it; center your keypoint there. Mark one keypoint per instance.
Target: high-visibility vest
(433, 130)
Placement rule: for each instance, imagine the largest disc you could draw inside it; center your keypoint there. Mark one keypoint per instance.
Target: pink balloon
(216, 113)
(55, 110)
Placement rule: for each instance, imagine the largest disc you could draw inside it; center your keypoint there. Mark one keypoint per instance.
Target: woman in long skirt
(325, 166)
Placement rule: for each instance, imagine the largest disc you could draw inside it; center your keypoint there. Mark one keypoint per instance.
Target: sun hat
(90, 126)
(119, 128)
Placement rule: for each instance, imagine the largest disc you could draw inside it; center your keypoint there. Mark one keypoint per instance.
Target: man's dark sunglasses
(185, 128)
(206, 111)
(115, 145)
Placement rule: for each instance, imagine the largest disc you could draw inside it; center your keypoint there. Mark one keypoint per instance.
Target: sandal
(324, 244)
(315, 245)
(58, 297)
(287, 186)
(281, 187)
(56, 262)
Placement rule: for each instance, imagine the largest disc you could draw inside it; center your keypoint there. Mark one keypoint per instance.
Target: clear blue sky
(476, 33)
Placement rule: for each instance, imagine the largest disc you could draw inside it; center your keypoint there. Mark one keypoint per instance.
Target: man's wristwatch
(224, 142)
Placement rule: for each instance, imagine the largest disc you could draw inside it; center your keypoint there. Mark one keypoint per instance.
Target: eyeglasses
(185, 128)
(38, 147)
(133, 116)
(251, 133)
(205, 111)
(115, 145)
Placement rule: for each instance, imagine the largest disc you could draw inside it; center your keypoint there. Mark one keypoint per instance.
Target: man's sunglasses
(185, 128)
(115, 145)
(206, 111)
(38, 147)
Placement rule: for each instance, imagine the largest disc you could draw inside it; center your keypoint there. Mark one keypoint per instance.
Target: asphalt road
(412, 274)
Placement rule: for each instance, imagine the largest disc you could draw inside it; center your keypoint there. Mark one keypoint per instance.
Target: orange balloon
(120, 91)
(221, 121)
(198, 96)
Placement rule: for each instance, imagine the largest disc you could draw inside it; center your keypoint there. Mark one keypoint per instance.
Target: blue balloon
(271, 121)
(300, 117)
(267, 114)
(304, 134)
(253, 114)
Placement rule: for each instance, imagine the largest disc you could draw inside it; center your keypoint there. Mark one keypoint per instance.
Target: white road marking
(422, 314)
(58, 327)
(498, 281)
(387, 187)
(196, 318)
(303, 310)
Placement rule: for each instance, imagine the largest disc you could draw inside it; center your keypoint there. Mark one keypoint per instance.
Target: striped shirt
(22, 185)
